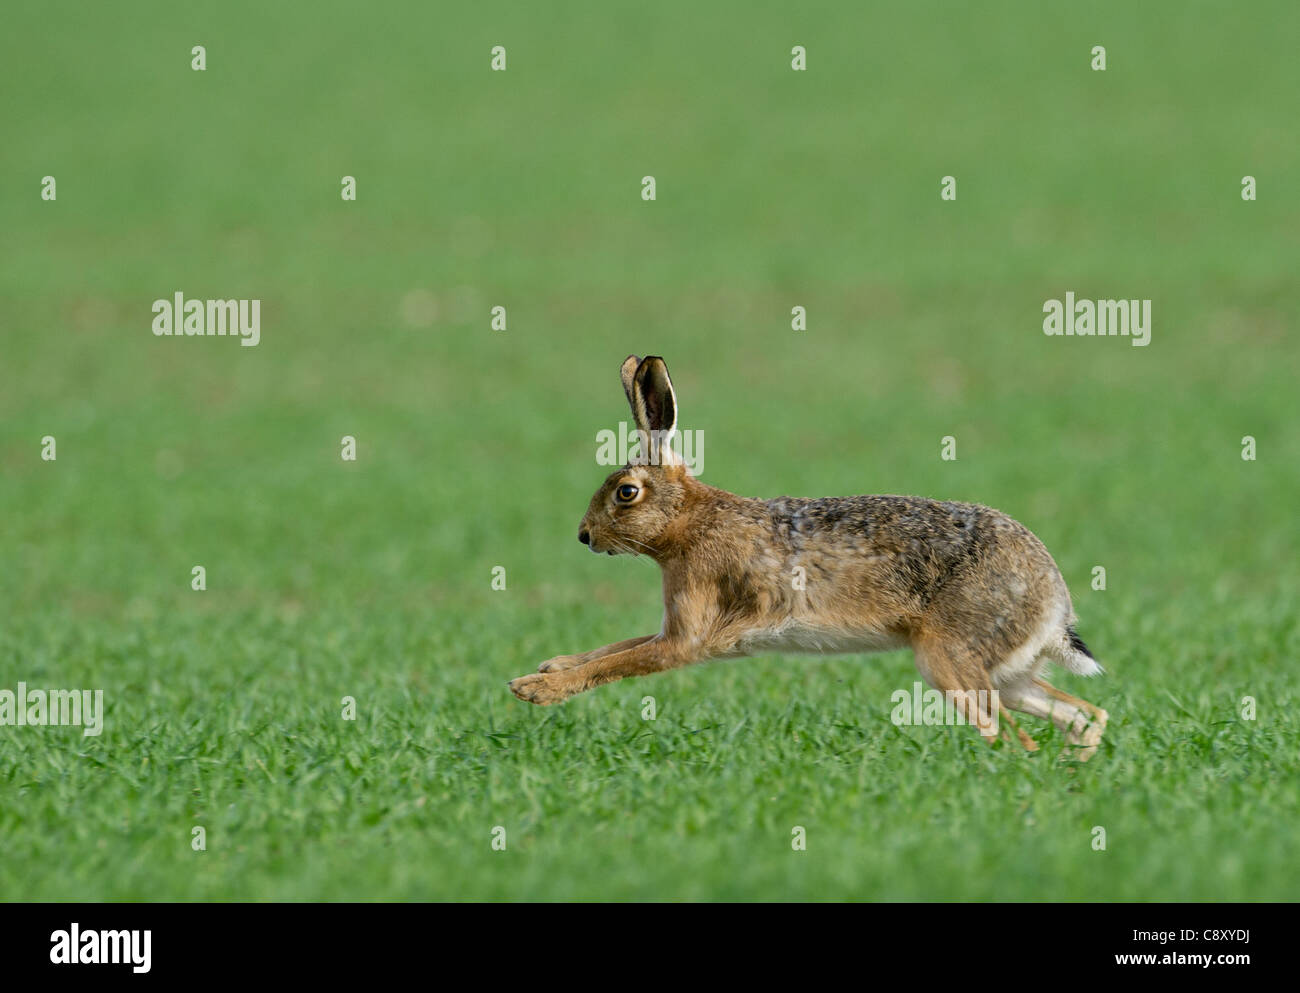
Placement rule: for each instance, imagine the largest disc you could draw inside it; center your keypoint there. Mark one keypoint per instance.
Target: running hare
(972, 592)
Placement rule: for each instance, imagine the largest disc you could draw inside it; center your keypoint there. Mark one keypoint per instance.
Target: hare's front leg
(653, 654)
(562, 662)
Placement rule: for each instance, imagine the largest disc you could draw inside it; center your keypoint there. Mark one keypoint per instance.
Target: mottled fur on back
(973, 592)
(920, 561)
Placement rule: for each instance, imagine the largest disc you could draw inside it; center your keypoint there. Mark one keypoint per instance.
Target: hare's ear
(628, 374)
(654, 404)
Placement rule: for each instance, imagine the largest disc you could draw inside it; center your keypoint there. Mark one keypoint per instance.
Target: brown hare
(974, 594)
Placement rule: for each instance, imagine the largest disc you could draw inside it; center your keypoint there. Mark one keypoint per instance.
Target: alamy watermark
(93, 947)
(66, 708)
(1099, 318)
(178, 316)
(629, 446)
(949, 708)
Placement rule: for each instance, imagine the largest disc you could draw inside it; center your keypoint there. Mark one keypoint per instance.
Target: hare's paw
(1081, 744)
(560, 663)
(540, 687)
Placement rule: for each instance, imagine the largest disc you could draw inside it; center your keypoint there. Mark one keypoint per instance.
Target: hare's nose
(584, 537)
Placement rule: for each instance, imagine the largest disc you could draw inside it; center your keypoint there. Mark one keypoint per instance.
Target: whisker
(641, 543)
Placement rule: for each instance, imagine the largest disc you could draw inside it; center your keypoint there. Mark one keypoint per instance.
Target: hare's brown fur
(971, 591)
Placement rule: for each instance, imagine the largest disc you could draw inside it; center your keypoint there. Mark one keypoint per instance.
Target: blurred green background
(476, 448)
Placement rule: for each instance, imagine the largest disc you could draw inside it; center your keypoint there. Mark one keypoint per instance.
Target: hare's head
(634, 507)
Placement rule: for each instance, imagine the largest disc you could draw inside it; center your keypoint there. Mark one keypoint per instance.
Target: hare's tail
(1072, 653)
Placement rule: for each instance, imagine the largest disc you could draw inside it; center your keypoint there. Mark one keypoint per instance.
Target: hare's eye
(627, 493)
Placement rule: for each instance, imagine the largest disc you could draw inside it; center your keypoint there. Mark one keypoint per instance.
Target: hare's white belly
(796, 636)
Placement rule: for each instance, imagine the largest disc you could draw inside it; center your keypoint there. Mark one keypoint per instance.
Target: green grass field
(476, 448)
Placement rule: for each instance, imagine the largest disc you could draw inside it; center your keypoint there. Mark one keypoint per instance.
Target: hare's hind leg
(1082, 722)
(1090, 738)
(1097, 713)
(949, 668)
